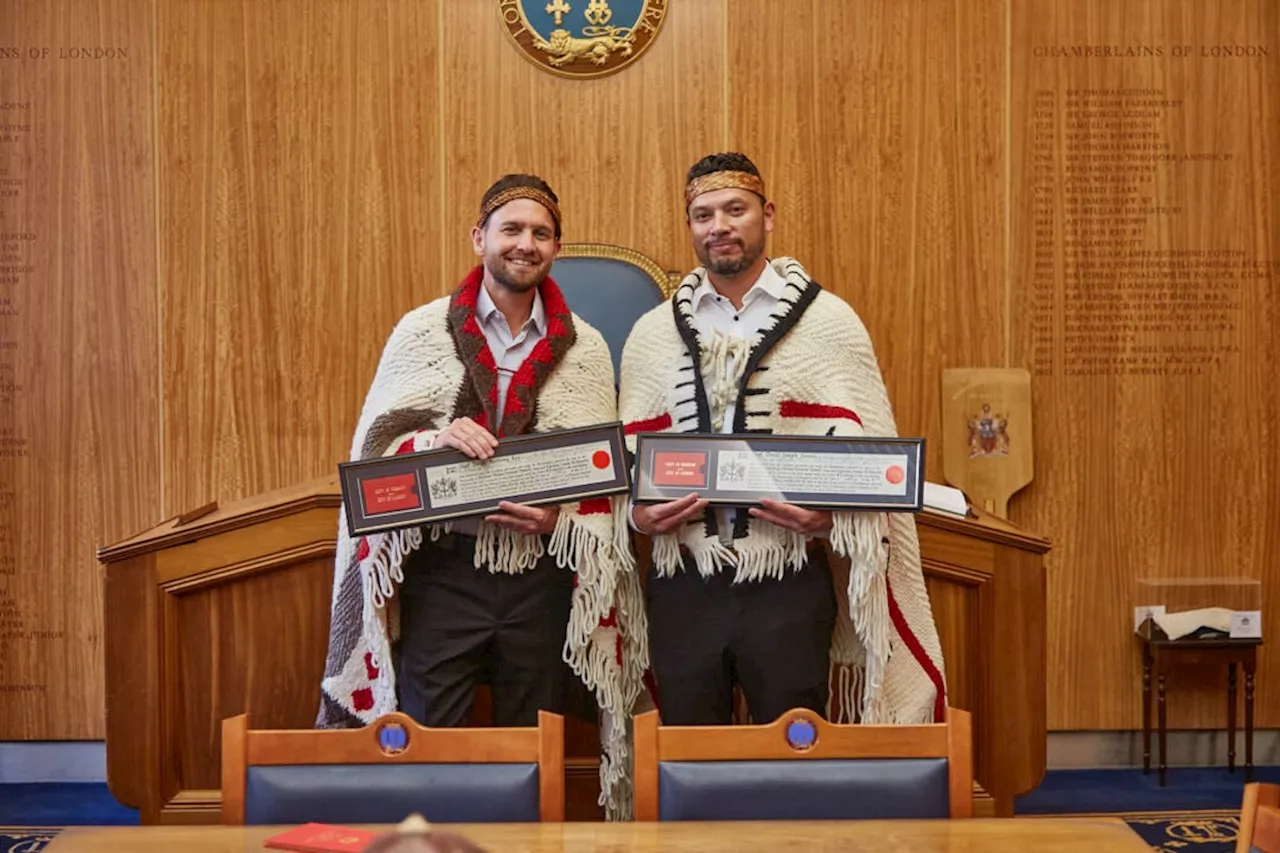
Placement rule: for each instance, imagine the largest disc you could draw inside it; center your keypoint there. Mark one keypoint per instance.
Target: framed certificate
(818, 472)
(437, 485)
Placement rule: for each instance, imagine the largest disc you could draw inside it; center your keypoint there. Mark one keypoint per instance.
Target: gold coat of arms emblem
(582, 38)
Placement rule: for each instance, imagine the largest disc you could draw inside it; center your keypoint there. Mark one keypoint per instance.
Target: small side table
(1161, 656)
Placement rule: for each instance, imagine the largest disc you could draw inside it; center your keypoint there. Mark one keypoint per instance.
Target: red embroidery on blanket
(406, 446)
(369, 669)
(525, 376)
(918, 652)
(362, 550)
(797, 409)
(595, 506)
(525, 379)
(657, 424)
(611, 619)
(362, 699)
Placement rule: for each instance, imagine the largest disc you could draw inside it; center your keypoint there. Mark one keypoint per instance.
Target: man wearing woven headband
(750, 344)
(422, 616)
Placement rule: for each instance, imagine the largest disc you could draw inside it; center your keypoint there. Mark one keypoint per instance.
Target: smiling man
(747, 595)
(421, 617)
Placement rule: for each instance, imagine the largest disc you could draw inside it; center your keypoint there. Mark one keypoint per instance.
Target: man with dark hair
(507, 599)
(747, 596)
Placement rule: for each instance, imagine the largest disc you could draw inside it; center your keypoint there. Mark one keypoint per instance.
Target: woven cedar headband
(723, 181)
(531, 193)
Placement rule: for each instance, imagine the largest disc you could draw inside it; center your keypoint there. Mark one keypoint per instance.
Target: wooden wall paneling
(878, 127)
(78, 404)
(1140, 129)
(233, 203)
(299, 188)
(615, 149)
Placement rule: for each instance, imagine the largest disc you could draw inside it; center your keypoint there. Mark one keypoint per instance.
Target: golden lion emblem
(598, 46)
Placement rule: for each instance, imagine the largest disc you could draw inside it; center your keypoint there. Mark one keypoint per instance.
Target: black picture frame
(670, 465)
(394, 492)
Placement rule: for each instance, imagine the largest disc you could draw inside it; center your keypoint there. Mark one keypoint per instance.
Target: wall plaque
(582, 38)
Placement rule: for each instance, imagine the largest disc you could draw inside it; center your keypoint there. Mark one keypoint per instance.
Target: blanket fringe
(858, 537)
(381, 571)
(590, 649)
(772, 557)
(666, 554)
(845, 690)
(505, 550)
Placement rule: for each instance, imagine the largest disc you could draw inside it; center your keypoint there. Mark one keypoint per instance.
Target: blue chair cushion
(835, 789)
(609, 295)
(388, 793)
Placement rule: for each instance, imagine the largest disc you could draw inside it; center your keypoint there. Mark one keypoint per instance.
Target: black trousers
(461, 627)
(772, 637)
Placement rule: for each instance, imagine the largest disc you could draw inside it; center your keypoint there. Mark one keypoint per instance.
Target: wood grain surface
(1153, 385)
(1086, 835)
(79, 406)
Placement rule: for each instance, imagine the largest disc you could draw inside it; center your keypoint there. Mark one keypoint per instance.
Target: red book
(322, 838)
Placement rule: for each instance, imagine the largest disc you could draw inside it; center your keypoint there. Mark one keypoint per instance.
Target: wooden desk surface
(1042, 835)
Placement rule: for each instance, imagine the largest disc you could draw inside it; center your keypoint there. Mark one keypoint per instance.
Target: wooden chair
(611, 287)
(800, 767)
(390, 769)
(1259, 819)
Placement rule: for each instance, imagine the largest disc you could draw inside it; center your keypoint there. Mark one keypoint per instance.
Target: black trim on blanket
(466, 403)
(390, 425)
(694, 351)
(334, 716)
(784, 324)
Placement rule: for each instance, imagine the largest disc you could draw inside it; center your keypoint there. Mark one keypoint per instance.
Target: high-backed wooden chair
(611, 287)
(800, 767)
(1259, 819)
(390, 769)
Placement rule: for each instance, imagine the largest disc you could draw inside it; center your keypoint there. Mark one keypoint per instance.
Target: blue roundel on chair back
(608, 293)
(393, 738)
(801, 734)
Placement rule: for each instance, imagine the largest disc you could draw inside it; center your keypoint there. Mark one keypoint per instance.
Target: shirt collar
(485, 311)
(769, 283)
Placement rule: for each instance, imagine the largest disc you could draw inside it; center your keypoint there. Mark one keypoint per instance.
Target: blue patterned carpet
(18, 839)
(1191, 832)
(1128, 790)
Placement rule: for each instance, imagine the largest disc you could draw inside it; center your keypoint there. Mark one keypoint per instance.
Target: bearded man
(420, 617)
(747, 596)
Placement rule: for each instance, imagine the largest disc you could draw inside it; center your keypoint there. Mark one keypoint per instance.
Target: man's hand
(654, 519)
(804, 521)
(468, 436)
(525, 519)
